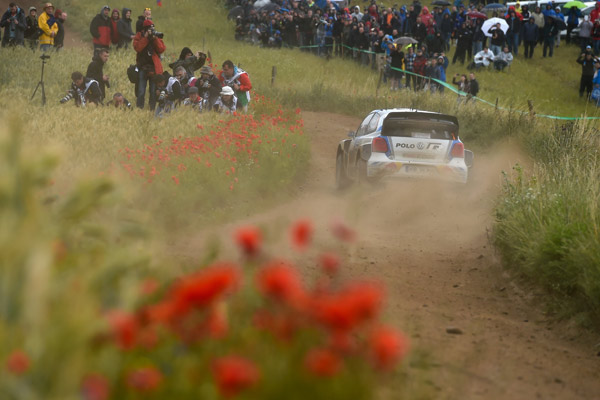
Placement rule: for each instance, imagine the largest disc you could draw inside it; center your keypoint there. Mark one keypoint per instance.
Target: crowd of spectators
(191, 83)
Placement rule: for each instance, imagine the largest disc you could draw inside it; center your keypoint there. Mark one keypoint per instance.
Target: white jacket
(484, 57)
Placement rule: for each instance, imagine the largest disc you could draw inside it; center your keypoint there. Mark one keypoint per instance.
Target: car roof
(413, 113)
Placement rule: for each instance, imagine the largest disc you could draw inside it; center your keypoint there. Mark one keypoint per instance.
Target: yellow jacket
(45, 37)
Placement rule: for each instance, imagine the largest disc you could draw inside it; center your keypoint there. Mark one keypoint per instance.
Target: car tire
(341, 175)
(361, 172)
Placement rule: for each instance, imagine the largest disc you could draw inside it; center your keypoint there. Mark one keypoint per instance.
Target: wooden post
(273, 75)
(531, 111)
(496, 104)
(208, 56)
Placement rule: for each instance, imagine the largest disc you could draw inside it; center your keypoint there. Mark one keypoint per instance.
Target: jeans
(495, 49)
(477, 47)
(548, 45)
(529, 46)
(596, 47)
(141, 90)
(46, 47)
(512, 41)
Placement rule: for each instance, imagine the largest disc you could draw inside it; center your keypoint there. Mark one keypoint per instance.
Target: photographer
(209, 86)
(239, 81)
(162, 100)
(190, 61)
(227, 102)
(31, 32)
(148, 47)
(95, 70)
(14, 24)
(84, 90)
(483, 58)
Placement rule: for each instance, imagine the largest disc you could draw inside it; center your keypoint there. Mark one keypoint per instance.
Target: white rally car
(403, 142)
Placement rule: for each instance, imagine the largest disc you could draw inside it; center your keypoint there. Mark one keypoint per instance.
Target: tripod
(41, 82)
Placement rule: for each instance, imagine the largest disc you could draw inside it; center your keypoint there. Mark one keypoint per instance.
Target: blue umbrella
(494, 7)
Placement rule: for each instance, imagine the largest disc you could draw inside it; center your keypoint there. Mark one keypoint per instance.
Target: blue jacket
(573, 16)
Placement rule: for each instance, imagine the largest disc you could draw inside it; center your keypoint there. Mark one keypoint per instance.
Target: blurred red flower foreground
(253, 329)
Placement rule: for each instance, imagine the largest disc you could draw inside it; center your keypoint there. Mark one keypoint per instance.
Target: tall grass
(547, 220)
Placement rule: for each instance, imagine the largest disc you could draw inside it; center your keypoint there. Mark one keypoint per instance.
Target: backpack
(132, 73)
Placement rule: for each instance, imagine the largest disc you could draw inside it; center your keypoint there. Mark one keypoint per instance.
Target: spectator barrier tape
(458, 92)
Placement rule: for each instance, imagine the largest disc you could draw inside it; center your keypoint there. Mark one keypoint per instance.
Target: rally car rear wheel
(341, 176)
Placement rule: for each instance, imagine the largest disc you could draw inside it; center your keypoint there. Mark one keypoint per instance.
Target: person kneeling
(84, 90)
(194, 100)
(483, 58)
(227, 102)
(503, 60)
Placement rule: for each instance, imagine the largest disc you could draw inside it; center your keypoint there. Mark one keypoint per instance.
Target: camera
(157, 34)
(69, 96)
(161, 97)
(44, 57)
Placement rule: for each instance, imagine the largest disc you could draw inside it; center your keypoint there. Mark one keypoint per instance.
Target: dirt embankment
(430, 244)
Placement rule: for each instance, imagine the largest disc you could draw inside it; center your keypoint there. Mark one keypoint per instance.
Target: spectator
(227, 101)
(419, 31)
(539, 19)
(472, 86)
(530, 37)
(409, 63)
(14, 24)
(114, 30)
(190, 61)
(550, 32)
(238, 80)
(84, 90)
(59, 39)
(587, 73)
(512, 35)
(119, 101)
(560, 17)
(126, 34)
(95, 70)
(461, 83)
(483, 59)
(573, 16)
(48, 26)
(162, 99)
(503, 59)
(497, 40)
(177, 87)
(146, 15)
(32, 32)
(208, 85)
(101, 29)
(595, 13)
(194, 100)
(478, 36)
(419, 65)
(585, 32)
(148, 48)
(397, 64)
(442, 64)
(447, 28)
(462, 41)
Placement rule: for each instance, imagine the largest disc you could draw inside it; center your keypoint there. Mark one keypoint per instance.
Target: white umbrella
(488, 23)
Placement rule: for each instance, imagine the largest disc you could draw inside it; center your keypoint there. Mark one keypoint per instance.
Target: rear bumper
(454, 171)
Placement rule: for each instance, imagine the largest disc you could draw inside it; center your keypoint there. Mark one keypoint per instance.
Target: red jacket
(158, 46)
(114, 37)
(100, 29)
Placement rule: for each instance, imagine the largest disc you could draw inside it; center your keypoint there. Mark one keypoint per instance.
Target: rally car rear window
(420, 129)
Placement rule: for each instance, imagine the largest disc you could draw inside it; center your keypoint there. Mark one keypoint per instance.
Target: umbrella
(440, 3)
(405, 40)
(269, 7)
(237, 11)
(476, 14)
(560, 24)
(487, 24)
(577, 4)
(494, 7)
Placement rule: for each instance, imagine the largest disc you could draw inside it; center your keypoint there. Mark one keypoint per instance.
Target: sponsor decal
(419, 146)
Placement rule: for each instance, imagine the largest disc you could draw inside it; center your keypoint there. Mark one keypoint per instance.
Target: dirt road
(430, 245)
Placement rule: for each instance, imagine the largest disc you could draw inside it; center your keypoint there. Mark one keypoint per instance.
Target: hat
(226, 91)
(57, 13)
(557, 8)
(46, 5)
(105, 7)
(206, 70)
(193, 89)
(32, 8)
(148, 22)
(588, 47)
(440, 57)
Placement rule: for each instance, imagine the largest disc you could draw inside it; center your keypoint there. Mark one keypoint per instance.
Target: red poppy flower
(95, 387)
(17, 362)
(302, 234)
(203, 288)
(249, 239)
(280, 281)
(216, 324)
(234, 374)
(387, 347)
(322, 362)
(330, 263)
(124, 328)
(146, 379)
